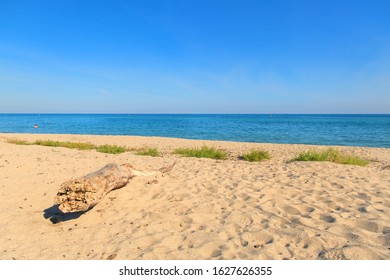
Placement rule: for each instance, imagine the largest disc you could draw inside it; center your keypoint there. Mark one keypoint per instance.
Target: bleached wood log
(81, 194)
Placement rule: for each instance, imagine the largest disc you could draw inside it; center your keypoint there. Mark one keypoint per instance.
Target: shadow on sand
(55, 215)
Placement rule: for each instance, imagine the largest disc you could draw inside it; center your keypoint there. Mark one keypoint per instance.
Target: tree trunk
(81, 194)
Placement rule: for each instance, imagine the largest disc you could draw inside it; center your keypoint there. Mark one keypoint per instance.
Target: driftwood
(81, 194)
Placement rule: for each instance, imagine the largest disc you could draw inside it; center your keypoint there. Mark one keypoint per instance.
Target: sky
(195, 56)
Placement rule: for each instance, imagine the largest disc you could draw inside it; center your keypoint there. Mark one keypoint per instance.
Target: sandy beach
(202, 209)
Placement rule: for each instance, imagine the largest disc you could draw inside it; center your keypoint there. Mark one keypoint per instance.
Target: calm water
(348, 130)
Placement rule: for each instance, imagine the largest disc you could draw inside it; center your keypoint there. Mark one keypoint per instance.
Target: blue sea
(345, 130)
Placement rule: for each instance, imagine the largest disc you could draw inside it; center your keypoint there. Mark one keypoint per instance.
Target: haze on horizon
(195, 56)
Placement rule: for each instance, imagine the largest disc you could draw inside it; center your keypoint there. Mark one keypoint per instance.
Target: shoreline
(202, 209)
(344, 130)
(67, 135)
(94, 137)
(281, 152)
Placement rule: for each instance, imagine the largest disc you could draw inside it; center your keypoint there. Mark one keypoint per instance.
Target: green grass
(18, 142)
(111, 149)
(153, 152)
(203, 152)
(255, 155)
(331, 155)
(70, 145)
(108, 149)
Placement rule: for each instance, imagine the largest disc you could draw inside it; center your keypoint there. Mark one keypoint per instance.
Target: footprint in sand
(332, 205)
(335, 254)
(327, 218)
(305, 210)
(291, 210)
(384, 240)
(185, 222)
(367, 225)
(349, 253)
(239, 219)
(363, 196)
(256, 239)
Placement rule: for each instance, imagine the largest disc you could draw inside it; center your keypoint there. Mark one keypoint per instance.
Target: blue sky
(195, 56)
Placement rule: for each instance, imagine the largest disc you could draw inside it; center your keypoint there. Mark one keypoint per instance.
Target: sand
(202, 209)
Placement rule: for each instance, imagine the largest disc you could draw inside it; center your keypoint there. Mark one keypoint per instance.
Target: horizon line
(97, 113)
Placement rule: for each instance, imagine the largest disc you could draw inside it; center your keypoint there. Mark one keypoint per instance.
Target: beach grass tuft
(203, 152)
(18, 142)
(111, 149)
(108, 149)
(153, 152)
(255, 155)
(331, 155)
(70, 145)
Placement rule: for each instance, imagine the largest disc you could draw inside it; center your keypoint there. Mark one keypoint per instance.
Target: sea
(343, 130)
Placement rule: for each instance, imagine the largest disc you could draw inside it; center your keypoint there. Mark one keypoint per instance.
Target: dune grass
(255, 155)
(70, 145)
(153, 152)
(331, 155)
(203, 152)
(18, 142)
(111, 149)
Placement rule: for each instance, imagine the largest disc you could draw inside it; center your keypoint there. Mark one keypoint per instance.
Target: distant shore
(202, 209)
